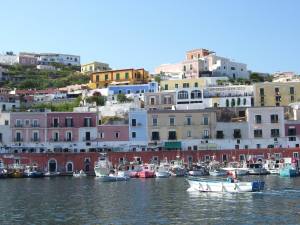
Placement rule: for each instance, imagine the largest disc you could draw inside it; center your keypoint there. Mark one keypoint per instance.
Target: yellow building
(189, 83)
(276, 93)
(94, 67)
(173, 127)
(118, 77)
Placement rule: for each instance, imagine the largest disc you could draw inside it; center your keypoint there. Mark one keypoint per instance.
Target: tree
(99, 100)
(255, 77)
(157, 79)
(122, 98)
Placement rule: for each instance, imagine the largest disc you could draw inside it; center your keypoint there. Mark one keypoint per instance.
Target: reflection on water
(150, 201)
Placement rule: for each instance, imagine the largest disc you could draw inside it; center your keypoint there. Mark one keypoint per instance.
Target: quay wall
(86, 161)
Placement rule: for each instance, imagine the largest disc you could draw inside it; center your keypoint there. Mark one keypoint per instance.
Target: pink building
(65, 126)
(28, 127)
(113, 133)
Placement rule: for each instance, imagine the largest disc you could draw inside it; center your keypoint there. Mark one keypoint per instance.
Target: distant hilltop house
(33, 59)
(94, 67)
(204, 63)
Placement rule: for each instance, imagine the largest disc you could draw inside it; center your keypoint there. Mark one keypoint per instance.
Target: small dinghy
(81, 173)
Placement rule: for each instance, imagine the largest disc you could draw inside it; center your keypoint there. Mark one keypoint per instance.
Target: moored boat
(224, 185)
(81, 173)
(237, 168)
(51, 174)
(147, 171)
(257, 169)
(32, 172)
(289, 168)
(177, 167)
(217, 173)
(162, 170)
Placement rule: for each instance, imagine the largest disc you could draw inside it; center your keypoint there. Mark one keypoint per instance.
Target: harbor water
(86, 200)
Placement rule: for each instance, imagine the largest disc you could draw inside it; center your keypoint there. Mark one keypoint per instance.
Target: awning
(173, 144)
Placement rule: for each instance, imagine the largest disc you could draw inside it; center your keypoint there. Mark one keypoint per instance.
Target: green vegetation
(110, 119)
(97, 98)
(58, 107)
(28, 77)
(122, 98)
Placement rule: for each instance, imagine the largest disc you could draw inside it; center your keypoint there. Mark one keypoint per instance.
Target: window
(188, 121)
(205, 120)
(296, 155)
(258, 119)
(196, 84)
(277, 91)
(166, 87)
(126, 75)
(195, 147)
(258, 133)
(167, 100)
(183, 95)
(242, 157)
(227, 103)
(68, 136)
(184, 68)
(55, 136)
(133, 122)
(117, 76)
(172, 121)
(220, 134)
(232, 102)
(172, 135)
(97, 78)
(133, 134)
(191, 66)
(244, 101)
(292, 98)
(155, 136)
(88, 136)
(237, 133)
(102, 135)
(206, 134)
(27, 122)
(152, 101)
(257, 146)
(35, 123)
(117, 135)
(274, 132)
(292, 90)
(69, 122)
(292, 138)
(196, 94)
(189, 133)
(292, 131)
(154, 121)
(262, 91)
(18, 123)
(232, 68)
(106, 76)
(274, 118)
(176, 86)
(238, 101)
(87, 122)
(35, 136)
(6, 123)
(18, 136)
(186, 85)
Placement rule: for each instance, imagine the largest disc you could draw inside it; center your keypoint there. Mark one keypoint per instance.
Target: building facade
(276, 93)
(133, 89)
(159, 100)
(94, 67)
(118, 77)
(65, 59)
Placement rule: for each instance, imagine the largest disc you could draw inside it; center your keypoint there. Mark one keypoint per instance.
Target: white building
(5, 134)
(65, 59)
(9, 58)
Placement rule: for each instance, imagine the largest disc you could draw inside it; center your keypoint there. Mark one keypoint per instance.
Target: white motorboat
(52, 174)
(257, 169)
(272, 166)
(177, 168)
(198, 170)
(162, 171)
(81, 173)
(217, 173)
(104, 170)
(224, 185)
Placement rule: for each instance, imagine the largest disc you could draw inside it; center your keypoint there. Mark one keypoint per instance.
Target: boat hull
(34, 175)
(109, 178)
(162, 174)
(217, 173)
(146, 174)
(207, 185)
(288, 172)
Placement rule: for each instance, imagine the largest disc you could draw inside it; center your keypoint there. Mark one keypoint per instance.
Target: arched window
(183, 95)
(227, 103)
(69, 167)
(52, 165)
(244, 101)
(196, 94)
(232, 102)
(239, 101)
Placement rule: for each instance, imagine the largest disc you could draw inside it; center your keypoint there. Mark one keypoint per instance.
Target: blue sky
(139, 33)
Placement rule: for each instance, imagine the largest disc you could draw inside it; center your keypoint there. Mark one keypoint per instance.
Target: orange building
(102, 79)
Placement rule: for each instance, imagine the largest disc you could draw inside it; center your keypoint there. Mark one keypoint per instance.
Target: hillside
(26, 77)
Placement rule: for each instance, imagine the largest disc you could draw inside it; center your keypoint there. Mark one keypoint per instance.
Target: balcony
(35, 125)
(18, 125)
(68, 139)
(54, 140)
(55, 125)
(35, 139)
(18, 139)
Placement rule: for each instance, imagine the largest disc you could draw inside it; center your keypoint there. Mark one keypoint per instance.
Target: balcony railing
(18, 125)
(18, 139)
(35, 125)
(54, 140)
(35, 139)
(68, 139)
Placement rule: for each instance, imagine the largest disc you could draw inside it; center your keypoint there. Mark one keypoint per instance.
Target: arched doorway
(69, 167)
(52, 165)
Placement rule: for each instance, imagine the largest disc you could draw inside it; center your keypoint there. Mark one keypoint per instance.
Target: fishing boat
(177, 167)
(289, 168)
(162, 170)
(272, 166)
(16, 171)
(228, 185)
(32, 172)
(81, 173)
(104, 170)
(257, 169)
(236, 167)
(147, 171)
(198, 170)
